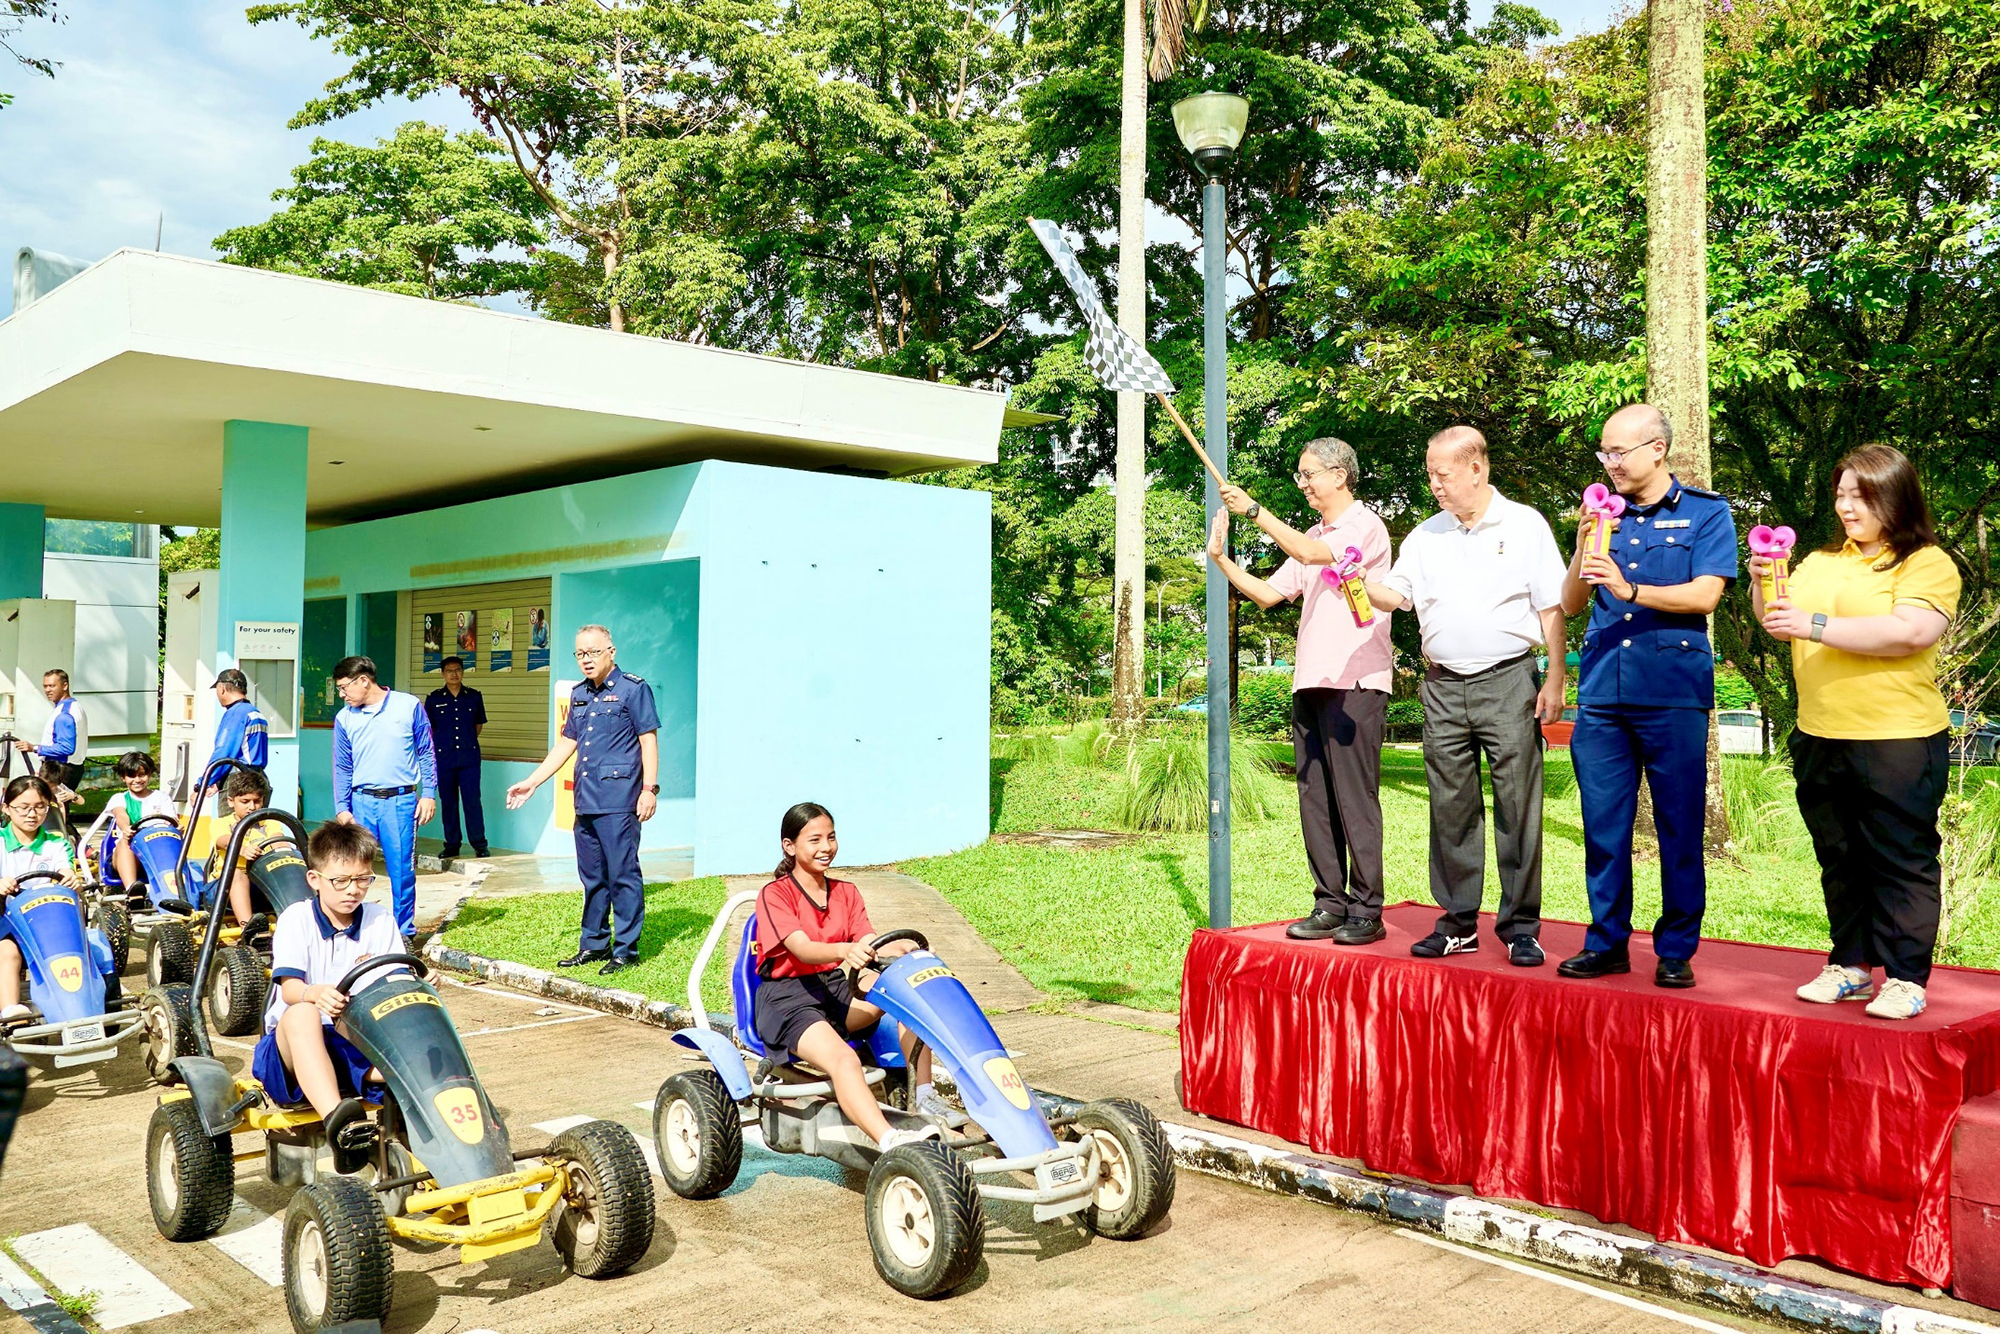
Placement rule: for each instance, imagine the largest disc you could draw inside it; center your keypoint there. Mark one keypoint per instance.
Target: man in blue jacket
(242, 733)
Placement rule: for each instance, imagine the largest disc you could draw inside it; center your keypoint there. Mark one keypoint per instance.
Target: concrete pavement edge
(1630, 1262)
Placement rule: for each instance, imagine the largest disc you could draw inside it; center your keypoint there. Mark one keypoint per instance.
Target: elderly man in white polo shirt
(1485, 578)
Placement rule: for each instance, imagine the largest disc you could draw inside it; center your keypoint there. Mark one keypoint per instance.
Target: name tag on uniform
(1673, 523)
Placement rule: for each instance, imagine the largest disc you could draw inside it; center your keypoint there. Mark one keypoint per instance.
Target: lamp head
(1210, 126)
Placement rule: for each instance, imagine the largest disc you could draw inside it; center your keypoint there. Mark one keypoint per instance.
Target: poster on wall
(538, 639)
(433, 641)
(468, 639)
(500, 640)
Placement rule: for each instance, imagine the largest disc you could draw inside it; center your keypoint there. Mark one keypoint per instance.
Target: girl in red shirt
(812, 934)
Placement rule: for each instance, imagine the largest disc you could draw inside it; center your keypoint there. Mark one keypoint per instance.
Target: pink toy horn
(1765, 540)
(1602, 501)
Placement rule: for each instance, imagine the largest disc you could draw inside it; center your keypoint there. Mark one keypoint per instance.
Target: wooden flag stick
(1195, 444)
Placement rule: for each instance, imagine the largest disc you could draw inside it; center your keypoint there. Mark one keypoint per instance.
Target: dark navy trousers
(1611, 744)
(458, 780)
(607, 861)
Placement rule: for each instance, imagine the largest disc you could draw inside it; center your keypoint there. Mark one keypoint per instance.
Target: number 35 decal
(459, 1108)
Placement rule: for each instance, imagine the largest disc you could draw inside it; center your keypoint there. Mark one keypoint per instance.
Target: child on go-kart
(244, 791)
(304, 1056)
(810, 928)
(24, 847)
(136, 771)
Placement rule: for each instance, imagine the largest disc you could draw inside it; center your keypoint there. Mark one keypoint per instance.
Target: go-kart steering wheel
(346, 984)
(172, 821)
(900, 933)
(26, 878)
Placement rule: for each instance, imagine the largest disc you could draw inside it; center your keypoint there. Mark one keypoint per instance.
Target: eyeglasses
(343, 882)
(1303, 477)
(591, 654)
(1618, 455)
(35, 808)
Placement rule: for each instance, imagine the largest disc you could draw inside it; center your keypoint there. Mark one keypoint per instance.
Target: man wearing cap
(458, 715)
(243, 734)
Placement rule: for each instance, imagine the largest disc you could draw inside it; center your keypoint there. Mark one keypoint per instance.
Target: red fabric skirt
(1733, 1115)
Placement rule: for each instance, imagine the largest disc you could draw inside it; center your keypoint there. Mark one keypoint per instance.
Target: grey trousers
(1337, 752)
(1490, 713)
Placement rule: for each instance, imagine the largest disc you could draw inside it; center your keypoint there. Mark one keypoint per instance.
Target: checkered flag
(1114, 356)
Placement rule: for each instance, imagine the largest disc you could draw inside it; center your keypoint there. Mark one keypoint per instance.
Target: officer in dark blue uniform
(242, 733)
(613, 731)
(1645, 692)
(458, 714)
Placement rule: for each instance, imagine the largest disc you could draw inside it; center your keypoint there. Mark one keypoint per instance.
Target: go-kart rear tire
(1135, 1173)
(238, 986)
(190, 1174)
(115, 921)
(167, 1016)
(698, 1135)
(604, 1224)
(338, 1264)
(170, 954)
(926, 1225)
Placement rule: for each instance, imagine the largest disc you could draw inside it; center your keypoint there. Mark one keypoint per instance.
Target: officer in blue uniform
(1645, 692)
(613, 731)
(458, 714)
(242, 734)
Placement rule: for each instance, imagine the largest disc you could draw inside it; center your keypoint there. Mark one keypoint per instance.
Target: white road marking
(652, 1155)
(648, 1105)
(562, 1123)
(255, 1240)
(76, 1259)
(17, 1290)
(489, 989)
(1616, 1298)
(545, 1023)
(232, 1042)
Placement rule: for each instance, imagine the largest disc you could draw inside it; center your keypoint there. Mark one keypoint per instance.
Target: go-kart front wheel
(238, 986)
(697, 1134)
(115, 921)
(926, 1225)
(190, 1174)
(170, 954)
(338, 1264)
(167, 1015)
(605, 1221)
(1135, 1168)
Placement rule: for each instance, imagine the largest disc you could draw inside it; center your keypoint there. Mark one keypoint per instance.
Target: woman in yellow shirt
(1863, 618)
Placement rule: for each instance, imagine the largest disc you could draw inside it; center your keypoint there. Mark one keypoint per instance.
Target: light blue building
(410, 479)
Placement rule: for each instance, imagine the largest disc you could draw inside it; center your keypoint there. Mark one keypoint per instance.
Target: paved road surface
(784, 1249)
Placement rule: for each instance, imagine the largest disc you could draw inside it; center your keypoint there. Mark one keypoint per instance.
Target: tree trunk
(1677, 268)
(1128, 538)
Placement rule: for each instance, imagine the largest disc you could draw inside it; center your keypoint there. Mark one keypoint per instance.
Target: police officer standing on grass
(1645, 692)
(458, 715)
(613, 730)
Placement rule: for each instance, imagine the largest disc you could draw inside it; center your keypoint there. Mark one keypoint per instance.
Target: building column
(263, 574)
(21, 530)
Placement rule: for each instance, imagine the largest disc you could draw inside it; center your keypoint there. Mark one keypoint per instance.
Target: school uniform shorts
(788, 1006)
(350, 1069)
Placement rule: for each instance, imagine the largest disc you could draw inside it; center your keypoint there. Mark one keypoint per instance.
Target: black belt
(387, 791)
(1436, 671)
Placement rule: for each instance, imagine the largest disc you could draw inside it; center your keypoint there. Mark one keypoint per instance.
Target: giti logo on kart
(46, 900)
(1008, 1080)
(68, 969)
(282, 860)
(929, 975)
(460, 1109)
(407, 998)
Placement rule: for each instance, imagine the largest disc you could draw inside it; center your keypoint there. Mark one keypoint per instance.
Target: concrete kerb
(1631, 1262)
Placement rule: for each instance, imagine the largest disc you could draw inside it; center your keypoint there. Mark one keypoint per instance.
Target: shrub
(1166, 786)
(1762, 802)
(1264, 703)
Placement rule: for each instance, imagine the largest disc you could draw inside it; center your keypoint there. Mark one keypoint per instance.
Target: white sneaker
(896, 1138)
(1900, 999)
(932, 1106)
(1837, 983)
(14, 1012)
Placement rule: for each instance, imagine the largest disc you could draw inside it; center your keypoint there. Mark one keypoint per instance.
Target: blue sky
(180, 106)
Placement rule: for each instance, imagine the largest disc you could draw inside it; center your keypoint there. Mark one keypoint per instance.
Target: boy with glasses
(304, 1056)
(26, 847)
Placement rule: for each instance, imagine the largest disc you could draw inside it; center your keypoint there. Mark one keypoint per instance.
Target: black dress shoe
(582, 957)
(1316, 925)
(1673, 973)
(480, 850)
(617, 966)
(1595, 963)
(446, 854)
(1360, 931)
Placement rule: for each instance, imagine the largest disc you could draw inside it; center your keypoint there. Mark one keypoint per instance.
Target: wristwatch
(1633, 596)
(1819, 626)
(1254, 510)
(653, 788)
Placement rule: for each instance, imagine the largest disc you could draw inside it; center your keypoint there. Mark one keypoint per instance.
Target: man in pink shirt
(1340, 686)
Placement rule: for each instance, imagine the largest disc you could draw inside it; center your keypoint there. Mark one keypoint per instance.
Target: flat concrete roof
(115, 386)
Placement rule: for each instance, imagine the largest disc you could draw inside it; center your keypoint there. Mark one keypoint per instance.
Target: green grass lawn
(1113, 924)
(538, 929)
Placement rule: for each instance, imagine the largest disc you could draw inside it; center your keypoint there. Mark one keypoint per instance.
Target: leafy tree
(14, 15)
(421, 213)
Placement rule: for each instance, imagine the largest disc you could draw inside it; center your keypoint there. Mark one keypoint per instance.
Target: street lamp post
(1210, 126)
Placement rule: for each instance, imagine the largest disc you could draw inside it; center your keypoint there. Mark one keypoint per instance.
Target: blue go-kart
(77, 1012)
(1107, 1166)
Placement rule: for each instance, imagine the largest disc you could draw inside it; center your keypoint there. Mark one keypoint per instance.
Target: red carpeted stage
(1733, 1116)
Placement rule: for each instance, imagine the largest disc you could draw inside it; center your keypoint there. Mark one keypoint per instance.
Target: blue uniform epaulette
(631, 677)
(1698, 491)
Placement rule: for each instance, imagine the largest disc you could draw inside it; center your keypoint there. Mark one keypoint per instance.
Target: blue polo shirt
(243, 734)
(606, 722)
(1636, 655)
(455, 721)
(384, 745)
